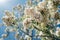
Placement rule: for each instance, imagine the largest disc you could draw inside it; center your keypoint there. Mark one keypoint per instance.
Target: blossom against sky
(7, 5)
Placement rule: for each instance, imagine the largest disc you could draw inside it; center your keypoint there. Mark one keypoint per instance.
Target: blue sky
(9, 4)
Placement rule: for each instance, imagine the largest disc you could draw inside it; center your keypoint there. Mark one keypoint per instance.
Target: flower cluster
(42, 14)
(27, 22)
(58, 32)
(43, 17)
(9, 19)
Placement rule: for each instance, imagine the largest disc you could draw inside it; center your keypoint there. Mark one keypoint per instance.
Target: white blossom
(17, 35)
(27, 22)
(4, 35)
(41, 33)
(8, 13)
(19, 7)
(27, 37)
(43, 25)
(29, 11)
(58, 31)
(12, 30)
(9, 19)
(58, 22)
(41, 5)
(1, 39)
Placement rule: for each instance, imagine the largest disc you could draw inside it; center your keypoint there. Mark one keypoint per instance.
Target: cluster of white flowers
(9, 18)
(41, 33)
(58, 31)
(18, 7)
(39, 15)
(35, 12)
(4, 35)
(52, 8)
(29, 11)
(27, 23)
(41, 5)
(27, 37)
